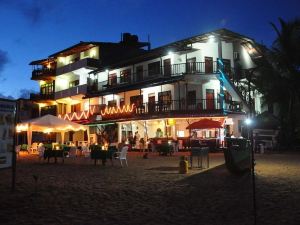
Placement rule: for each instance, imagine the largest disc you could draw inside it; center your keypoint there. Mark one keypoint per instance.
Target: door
(208, 64)
(167, 67)
(191, 100)
(210, 99)
(191, 65)
(151, 103)
(112, 79)
(139, 73)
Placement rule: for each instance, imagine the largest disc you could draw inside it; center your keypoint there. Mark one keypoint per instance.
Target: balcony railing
(39, 96)
(175, 107)
(162, 72)
(83, 63)
(159, 108)
(77, 90)
(42, 73)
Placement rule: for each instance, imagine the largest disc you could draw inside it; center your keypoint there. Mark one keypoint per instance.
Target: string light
(106, 111)
(115, 110)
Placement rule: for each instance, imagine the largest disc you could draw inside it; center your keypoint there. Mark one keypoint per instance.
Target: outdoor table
(54, 153)
(99, 154)
(200, 153)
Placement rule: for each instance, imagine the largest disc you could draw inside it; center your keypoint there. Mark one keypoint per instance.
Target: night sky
(32, 29)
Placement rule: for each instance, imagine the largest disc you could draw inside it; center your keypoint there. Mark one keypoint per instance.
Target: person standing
(137, 140)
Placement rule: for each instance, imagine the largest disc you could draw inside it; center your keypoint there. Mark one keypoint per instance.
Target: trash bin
(261, 148)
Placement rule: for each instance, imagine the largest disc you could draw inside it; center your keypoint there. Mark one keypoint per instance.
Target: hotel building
(120, 88)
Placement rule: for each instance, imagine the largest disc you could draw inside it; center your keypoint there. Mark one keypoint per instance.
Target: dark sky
(32, 29)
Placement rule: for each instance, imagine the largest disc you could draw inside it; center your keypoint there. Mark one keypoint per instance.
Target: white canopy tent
(49, 123)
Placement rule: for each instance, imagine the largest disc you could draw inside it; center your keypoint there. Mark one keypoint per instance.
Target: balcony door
(191, 65)
(151, 102)
(210, 99)
(125, 76)
(208, 64)
(167, 67)
(191, 100)
(112, 79)
(139, 73)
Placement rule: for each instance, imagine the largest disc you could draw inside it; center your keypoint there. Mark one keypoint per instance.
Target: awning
(206, 124)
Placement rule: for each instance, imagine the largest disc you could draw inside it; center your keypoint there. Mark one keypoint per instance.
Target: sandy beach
(150, 191)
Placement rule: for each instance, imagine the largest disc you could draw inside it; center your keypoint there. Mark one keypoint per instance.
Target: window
(74, 83)
(48, 110)
(76, 107)
(137, 100)
(112, 103)
(47, 89)
(62, 108)
(112, 79)
(227, 97)
(165, 97)
(125, 76)
(122, 102)
(154, 68)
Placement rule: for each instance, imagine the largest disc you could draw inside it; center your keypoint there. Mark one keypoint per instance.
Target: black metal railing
(42, 72)
(40, 96)
(174, 106)
(162, 72)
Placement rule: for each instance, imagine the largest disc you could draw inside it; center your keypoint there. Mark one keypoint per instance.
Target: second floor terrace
(155, 74)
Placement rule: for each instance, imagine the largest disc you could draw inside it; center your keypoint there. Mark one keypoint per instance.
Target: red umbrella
(206, 124)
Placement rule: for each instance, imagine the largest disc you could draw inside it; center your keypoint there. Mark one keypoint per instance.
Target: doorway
(210, 99)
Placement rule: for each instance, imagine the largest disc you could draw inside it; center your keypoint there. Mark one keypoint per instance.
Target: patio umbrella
(48, 123)
(206, 124)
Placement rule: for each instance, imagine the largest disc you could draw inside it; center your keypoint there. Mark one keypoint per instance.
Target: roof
(42, 61)
(181, 45)
(81, 46)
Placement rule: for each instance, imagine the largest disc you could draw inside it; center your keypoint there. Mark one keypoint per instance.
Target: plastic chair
(41, 150)
(34, 147)
(85, 151)
(122, 155)
(18, 149)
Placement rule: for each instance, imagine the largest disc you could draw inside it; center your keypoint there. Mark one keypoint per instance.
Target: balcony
(172, 108)
(88, 63)
(43, 74)
(161, 74)
(41, 97)
(77, 90)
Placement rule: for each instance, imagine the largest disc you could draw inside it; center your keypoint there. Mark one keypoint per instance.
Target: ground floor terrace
(142, 133)
(146, 135)
(150, 191)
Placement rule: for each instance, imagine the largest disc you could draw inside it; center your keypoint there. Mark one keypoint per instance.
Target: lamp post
(249, 124)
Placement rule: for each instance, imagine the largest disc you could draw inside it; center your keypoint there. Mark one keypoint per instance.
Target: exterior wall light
(211, 38)
(248, 121)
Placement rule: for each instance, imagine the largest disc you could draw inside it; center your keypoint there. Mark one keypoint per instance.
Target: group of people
(136, 141)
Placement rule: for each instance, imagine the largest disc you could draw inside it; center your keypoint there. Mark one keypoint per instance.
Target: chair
(34, 147)
(72, 152)
(18, 149)
(122, 155)
(85, 151)
(41, 150)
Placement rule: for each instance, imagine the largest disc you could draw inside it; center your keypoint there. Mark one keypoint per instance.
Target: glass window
(154, 68)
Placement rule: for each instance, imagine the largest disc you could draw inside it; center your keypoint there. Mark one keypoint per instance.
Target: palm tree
(278, 76)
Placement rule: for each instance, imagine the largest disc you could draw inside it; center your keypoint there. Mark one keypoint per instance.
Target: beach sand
(150, 191)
